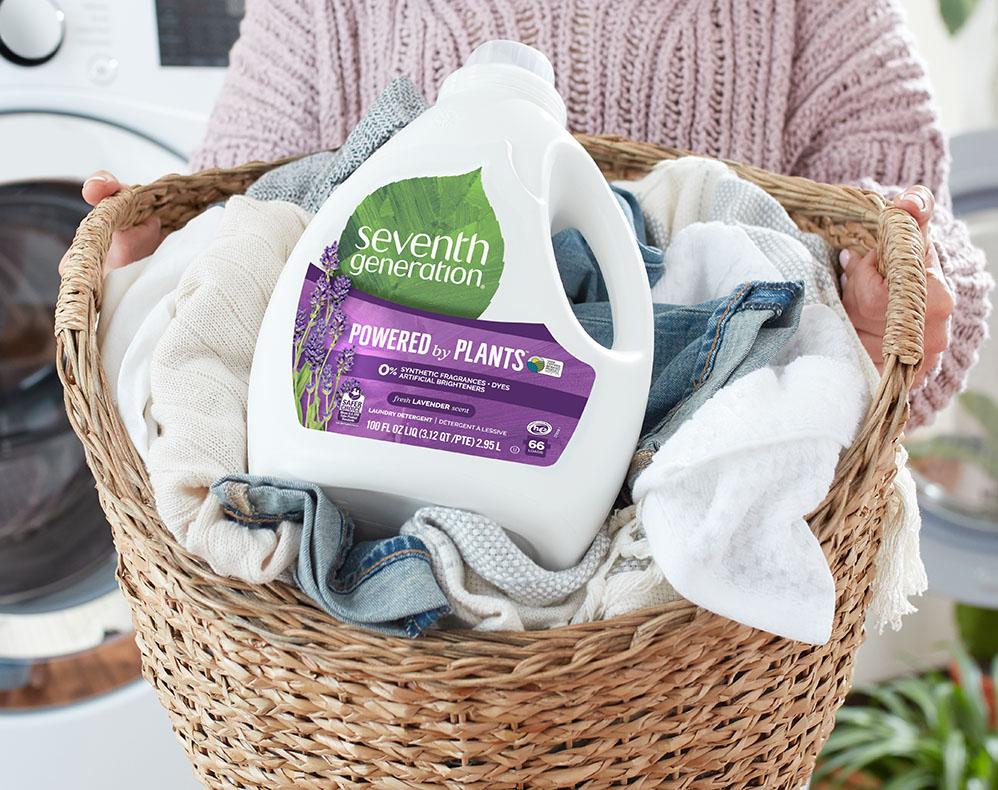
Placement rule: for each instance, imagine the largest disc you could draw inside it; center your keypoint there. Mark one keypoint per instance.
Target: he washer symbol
(514, 450)
(539, 428)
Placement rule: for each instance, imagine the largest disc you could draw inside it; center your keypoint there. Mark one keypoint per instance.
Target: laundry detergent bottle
(419, 347)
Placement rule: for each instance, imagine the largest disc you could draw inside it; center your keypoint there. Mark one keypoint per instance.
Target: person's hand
(864, 291)
(127, 246)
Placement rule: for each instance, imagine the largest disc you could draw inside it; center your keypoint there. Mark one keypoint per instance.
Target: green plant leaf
(970, 693)
(917, 733)
(858, 758)
(991, 748)
(923, 779)
(982, 769)
(889, 697)
(433, 243)
(955, 13)
(954, 761)
(920, 693)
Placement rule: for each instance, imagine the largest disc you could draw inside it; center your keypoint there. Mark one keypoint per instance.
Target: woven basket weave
(266, 691)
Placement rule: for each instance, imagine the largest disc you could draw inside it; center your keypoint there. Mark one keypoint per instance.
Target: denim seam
(791, 291)
(774, 307)
(744, 301)
(260, 519)
(677, 311)
(721, 323)
(380, 565)
(415, 624)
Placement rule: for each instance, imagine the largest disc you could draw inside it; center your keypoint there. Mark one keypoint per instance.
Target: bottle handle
(582, 199)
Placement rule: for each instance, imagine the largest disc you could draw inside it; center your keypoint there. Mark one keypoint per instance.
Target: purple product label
(368, 367)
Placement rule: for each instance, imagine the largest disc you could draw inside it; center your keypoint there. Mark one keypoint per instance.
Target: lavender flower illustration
(330, 258)
(319, 362)
(344, 360)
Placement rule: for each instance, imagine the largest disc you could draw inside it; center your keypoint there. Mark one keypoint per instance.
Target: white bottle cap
(513, 53)
(513, 69)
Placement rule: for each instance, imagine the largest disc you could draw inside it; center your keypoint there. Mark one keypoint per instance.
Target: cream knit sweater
(199, 377)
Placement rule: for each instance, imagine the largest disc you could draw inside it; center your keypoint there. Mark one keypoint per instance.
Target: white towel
(724, 499)
(707, 260)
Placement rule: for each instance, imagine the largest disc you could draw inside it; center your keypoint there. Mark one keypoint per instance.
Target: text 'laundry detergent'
(419, 347)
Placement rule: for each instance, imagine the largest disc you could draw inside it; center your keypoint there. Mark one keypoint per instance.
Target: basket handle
(900, 256)
(81, 281)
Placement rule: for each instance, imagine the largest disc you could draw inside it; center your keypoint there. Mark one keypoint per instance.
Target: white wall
(963, 69)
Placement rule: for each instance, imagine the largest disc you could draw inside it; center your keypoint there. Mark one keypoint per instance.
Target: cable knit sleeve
(861, 112)
(269, 104)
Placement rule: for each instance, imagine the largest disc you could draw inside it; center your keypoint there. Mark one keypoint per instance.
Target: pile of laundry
(758, 383)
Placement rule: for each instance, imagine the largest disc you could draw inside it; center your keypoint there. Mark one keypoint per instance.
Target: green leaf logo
(433, 243)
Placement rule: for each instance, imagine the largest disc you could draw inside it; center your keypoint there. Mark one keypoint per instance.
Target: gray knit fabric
(307, 182)
(488, 551)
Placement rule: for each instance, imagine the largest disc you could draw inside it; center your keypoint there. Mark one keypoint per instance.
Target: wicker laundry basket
(266, 691)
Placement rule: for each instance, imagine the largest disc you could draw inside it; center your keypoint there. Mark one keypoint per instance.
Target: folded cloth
(725, 517)
(309, 181)
(628, 579)
(490, 584)
(199, 376)
(678, 193)
(137, 307)
(382, 585)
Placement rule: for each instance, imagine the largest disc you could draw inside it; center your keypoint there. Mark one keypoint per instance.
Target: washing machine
(126, 86)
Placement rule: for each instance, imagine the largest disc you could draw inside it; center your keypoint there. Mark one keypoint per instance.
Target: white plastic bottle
(441, 362)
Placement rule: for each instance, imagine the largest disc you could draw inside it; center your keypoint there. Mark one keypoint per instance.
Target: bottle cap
(513, 53)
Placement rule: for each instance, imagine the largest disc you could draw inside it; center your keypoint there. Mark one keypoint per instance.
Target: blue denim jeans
(700, 348)
(580, 275)
(382, 585)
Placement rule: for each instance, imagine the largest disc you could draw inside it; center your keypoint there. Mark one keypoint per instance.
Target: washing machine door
(50, 146)
(58, 600)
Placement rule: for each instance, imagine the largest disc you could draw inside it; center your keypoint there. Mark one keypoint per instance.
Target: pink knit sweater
(828, 90)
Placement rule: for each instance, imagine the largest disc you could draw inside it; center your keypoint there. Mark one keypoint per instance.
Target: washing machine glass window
(58, 600)
(52, 530)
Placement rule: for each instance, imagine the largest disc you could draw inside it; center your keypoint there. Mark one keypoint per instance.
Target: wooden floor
(65, 680)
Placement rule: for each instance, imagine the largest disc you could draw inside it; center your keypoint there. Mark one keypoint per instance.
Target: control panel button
(102, 69)
(31, 31)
